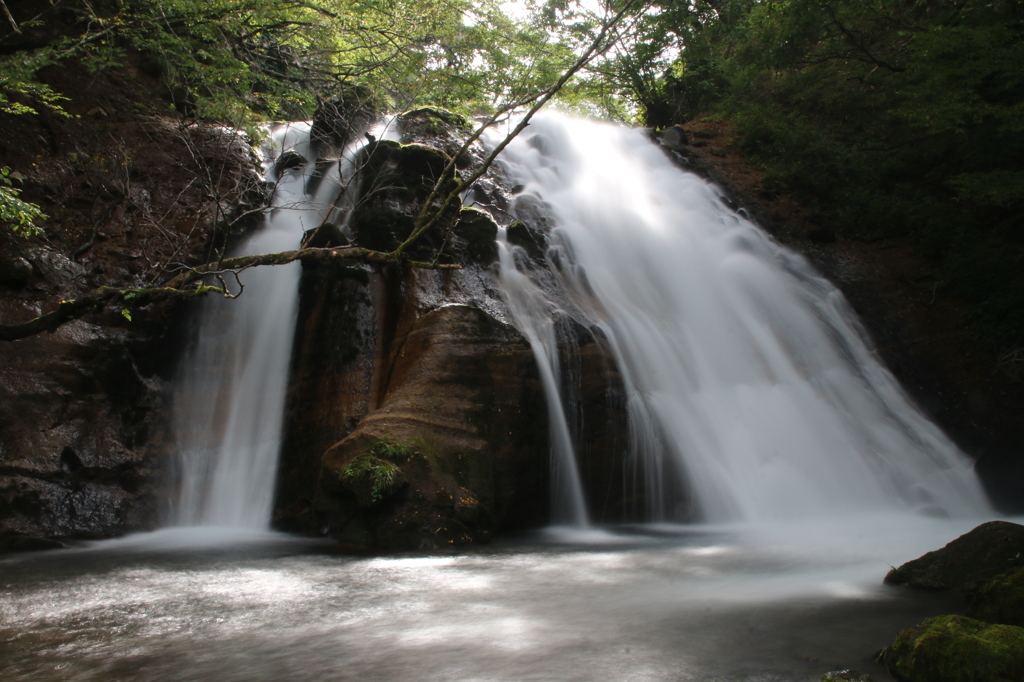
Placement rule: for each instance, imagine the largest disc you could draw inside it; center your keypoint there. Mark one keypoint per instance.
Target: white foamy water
(753, 392)
(230, 399)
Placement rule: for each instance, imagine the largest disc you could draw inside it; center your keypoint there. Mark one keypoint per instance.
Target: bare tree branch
(428, 215)
(178, 287)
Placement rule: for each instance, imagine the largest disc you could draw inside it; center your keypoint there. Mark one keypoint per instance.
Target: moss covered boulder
(453, 447)
(396, 180)
(1001, 600)
(957, 649)
(968, 562)
(475, 234)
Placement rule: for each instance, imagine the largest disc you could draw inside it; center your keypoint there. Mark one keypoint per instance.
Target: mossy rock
(479, 231)
(432, 121)
(1001, 600)
(422, 159)
(968, 562)
(519, 234)
(957, 649)
(397, 179)
(372, 473)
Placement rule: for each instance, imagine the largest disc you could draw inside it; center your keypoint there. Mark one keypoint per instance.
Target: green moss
(957, 649)
(433, 121)
(1001, 600)
(396, 452)
(373, 475)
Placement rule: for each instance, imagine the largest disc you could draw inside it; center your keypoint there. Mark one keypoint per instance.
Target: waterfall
(753, 392)
(231, 391)
(533, 313)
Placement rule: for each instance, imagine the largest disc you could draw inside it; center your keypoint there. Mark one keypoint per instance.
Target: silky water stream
(759, 417)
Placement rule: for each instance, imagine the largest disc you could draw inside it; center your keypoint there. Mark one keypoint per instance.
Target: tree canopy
(887, 117)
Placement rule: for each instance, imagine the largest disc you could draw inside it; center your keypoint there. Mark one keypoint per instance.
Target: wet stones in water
(968, 562)
(847, 676)
(519, 235)
(533, 211)
(675, 138)
(288, 161)
(956, 649)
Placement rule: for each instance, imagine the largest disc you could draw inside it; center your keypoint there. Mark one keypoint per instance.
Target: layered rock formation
(415, 415)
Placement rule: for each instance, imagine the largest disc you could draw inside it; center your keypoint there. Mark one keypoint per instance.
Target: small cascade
(231, 391)
(753, 392)
(534, 315)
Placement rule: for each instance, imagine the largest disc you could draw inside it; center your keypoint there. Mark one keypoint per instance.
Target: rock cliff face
(83, 411)
(415, 414)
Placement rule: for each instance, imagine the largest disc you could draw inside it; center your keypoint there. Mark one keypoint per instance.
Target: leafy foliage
(376, 469)
(888, 117)
(245, 60)
(15, 213)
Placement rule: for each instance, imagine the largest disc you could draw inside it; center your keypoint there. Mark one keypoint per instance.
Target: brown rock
(463, 400)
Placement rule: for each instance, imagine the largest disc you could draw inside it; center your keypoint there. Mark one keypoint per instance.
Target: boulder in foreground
(968, 562)
(956, 649)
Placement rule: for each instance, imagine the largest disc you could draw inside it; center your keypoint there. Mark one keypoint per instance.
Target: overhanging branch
(180, 286)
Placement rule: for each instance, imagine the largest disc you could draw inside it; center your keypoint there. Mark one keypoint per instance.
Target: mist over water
(754, 394)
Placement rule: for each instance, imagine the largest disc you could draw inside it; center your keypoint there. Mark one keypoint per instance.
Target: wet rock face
(463, 417)
(83, 411)
(81, 435)
(416, 416)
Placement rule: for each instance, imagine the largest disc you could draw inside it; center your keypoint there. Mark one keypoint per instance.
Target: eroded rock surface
(416, 417)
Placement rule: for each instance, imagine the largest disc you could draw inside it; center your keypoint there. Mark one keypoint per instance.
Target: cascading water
(533, 314)
(753, 392)
(230, 402)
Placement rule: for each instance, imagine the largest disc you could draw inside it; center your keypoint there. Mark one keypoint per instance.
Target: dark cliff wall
(130, 190)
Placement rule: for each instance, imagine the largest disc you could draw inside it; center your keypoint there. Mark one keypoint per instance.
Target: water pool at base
(651, 603)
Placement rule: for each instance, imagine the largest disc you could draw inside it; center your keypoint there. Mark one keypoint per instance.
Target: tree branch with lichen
(180, 286)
